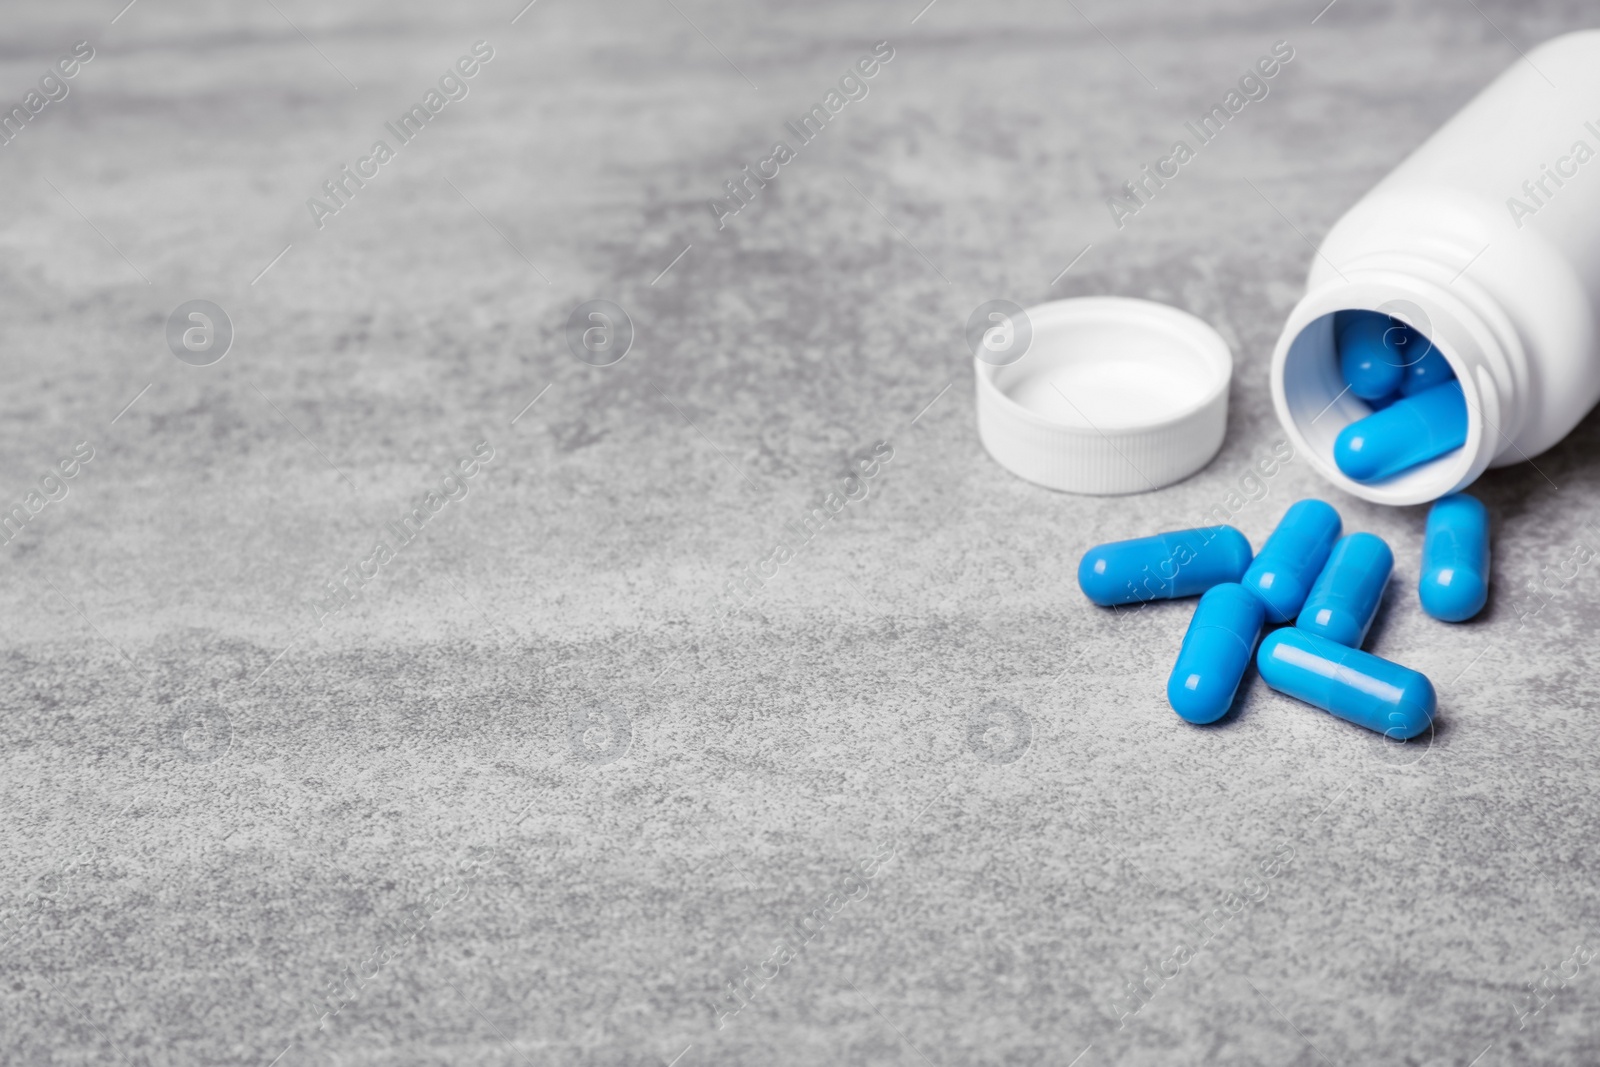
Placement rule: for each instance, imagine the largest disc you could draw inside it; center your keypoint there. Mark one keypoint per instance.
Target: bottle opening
(1427, 446)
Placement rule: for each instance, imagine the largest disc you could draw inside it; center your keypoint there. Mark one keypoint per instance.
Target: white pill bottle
(1487, 240)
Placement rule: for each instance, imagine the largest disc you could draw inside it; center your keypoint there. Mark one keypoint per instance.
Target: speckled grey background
(412, 833)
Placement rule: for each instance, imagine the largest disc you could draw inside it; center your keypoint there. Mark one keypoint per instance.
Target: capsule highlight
(1371, 353)
(1164, 566)
(1455, 559)
(1357, 686)
(1431, 370)
(1216, 653)
(1410, 431)
(1345, 598)
(1293, 556)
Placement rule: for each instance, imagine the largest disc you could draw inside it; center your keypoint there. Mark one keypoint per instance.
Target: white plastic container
(1487, 240)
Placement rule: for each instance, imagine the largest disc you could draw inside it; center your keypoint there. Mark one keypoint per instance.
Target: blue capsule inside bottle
(1293, 556)
(1164, 566)
(1215, 654)
(1371, 352)
(1455, 559)
(1428, 368)
(1410, 431)
(1383, 401)
(1357, 686)
(1345, 598)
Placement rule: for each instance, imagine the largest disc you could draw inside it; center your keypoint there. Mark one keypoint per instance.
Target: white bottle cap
(1100, 394)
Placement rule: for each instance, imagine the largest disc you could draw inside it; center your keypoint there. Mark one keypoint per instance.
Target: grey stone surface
(219, 811)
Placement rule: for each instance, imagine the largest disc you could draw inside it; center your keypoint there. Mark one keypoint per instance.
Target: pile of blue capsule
(1418, 410)
(1327, 586)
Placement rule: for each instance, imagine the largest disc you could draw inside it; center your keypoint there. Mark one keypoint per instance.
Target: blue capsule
(1345, 598)
(1383, 401)
(1371, 356)
(1455, 559)
(1215, 654)
(1181, 563)
(1357, 686)
(1292, 558)
(1410, 431)
(1424, 373)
